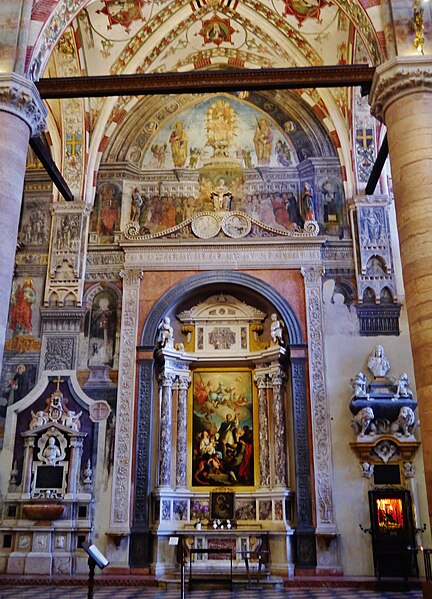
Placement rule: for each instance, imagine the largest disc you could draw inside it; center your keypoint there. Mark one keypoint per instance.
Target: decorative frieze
(202, 256)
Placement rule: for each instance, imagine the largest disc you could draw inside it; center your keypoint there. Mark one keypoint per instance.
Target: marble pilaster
(320, 409)
(123, 452)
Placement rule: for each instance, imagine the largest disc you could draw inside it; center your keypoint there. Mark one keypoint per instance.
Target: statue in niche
(103, 325)
(166, 334)
(221, 127)
(378, 363)
(68, 232)
(372, 228)
(179, 145)
(263, 141)
(276, 330)
(51, 454)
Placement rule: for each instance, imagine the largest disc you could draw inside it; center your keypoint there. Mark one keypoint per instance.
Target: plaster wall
(345, 356)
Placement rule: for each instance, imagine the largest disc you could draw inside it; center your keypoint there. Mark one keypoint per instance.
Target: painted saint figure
(20, 314)
(136, 206)
(263, 140)
(179, 145)
(307, 202)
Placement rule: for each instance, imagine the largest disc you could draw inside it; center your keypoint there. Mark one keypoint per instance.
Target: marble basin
(43, 510)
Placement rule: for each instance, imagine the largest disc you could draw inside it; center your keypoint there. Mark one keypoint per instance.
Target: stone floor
(110, 592)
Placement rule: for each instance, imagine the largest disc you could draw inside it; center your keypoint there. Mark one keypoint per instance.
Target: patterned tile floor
(59, 592)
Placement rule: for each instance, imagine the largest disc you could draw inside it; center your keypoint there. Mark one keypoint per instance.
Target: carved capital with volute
(401, 76)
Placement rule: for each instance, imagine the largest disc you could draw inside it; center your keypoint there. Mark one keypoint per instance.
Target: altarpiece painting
(222, 428)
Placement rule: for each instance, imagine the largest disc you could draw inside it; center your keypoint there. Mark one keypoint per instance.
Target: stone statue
(378, 363)
(88, 474)
(359, 385)
(405, 423)
(165, 338)
(367, 470)
(408, 470)
(71, 420)
(402, 387)
(276, 331)
(38, 420)
(363, 423)
(51, 453)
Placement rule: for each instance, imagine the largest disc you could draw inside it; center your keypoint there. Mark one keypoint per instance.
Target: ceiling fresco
(149, 36)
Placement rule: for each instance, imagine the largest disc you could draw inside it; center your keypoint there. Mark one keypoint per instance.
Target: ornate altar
(52, 438)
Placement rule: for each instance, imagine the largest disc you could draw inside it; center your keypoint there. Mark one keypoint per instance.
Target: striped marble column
(401, 97)
(22, 114)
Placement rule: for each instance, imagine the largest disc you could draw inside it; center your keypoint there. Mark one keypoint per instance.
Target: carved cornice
(397, 78)
(20, 97)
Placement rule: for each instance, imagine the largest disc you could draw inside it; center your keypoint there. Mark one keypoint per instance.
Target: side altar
(53, 438)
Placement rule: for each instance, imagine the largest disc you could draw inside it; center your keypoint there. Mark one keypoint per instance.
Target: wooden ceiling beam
(44, 156)
(207, 81)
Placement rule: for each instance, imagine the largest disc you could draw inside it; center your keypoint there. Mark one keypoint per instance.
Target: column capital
(396, 78)
(312, 274)
(20, 97)
(131, 276)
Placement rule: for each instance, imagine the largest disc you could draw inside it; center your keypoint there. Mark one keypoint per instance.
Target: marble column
(22, 114)
(262, 383)
(165, 381)
(183, 386)
(29, 443)
(76, 445)
(280, 468)
(401, 97)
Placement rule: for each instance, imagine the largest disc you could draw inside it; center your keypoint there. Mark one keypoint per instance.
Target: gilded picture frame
(223, 420)
(222, 505)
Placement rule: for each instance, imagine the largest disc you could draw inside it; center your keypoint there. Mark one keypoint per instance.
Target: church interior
(215, 276)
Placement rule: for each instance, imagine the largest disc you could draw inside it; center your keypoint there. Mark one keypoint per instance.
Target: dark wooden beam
(42, 153)
(377, 167)
(207, 81)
